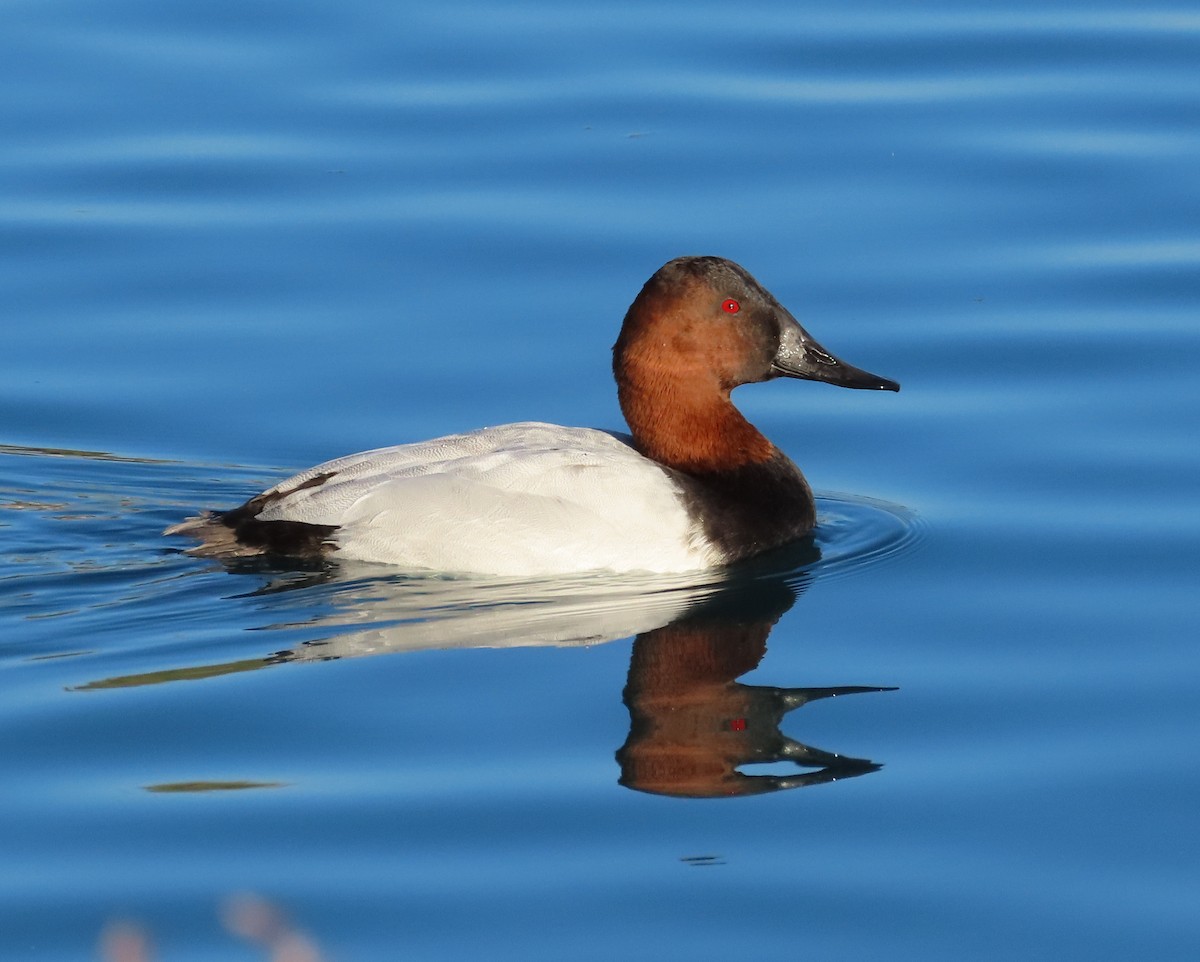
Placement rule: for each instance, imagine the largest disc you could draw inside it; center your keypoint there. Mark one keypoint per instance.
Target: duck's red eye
(731, 306)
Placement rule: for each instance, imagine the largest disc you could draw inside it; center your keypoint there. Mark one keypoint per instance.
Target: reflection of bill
(692, 724)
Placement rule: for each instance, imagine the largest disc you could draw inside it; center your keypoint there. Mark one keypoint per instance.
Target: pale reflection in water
(692, 725)
(254, 920)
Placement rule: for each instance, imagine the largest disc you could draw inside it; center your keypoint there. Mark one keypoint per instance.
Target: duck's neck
(687, 424)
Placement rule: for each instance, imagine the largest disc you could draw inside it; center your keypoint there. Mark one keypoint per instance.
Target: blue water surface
(239, 239)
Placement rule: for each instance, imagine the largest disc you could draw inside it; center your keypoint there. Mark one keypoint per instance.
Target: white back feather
(520, 499)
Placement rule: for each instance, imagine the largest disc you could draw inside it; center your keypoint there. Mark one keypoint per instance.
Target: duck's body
(695, 486)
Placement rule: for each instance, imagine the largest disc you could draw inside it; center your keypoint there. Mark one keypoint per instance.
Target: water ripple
(86, 548)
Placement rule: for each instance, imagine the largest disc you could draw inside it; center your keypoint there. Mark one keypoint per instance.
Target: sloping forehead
(715, 271)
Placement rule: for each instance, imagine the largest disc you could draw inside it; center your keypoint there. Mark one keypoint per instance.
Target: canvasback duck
(696, 485)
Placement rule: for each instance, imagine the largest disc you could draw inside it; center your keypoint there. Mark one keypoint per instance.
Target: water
(240, 239)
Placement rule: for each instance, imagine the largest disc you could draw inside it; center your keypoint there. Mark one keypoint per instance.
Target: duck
(692, 486)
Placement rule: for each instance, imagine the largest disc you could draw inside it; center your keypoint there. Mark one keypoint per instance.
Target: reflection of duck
(692, 724)
(696, 486)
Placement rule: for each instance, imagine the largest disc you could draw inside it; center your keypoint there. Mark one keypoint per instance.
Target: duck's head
(707, 321)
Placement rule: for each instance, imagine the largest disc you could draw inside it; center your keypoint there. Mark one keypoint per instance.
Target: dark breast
(751, 509)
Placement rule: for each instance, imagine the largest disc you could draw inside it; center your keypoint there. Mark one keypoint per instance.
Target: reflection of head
(692, 724)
